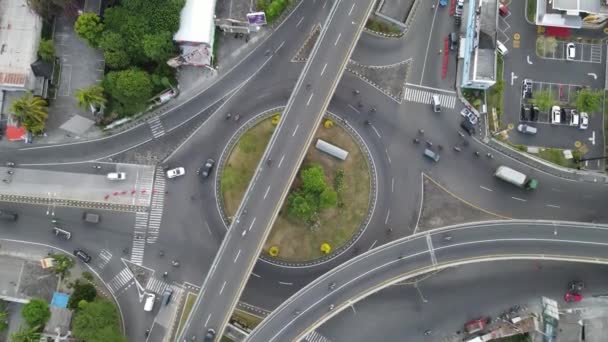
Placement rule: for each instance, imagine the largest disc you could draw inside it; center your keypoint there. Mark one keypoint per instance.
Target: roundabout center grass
(296, 241)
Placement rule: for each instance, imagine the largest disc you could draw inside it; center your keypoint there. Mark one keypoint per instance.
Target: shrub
(275, 119)
(36, 312)
(325, 248)
(328, 124)
(273, 251)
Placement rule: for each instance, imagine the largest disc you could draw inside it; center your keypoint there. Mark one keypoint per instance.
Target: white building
(196, 33)
(479, 48)
(572, 13)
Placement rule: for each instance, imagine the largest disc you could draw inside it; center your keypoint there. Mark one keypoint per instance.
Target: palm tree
(31, 111)
(90, 98)
(25, 334)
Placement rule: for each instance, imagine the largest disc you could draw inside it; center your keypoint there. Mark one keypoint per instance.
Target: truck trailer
(516, 178)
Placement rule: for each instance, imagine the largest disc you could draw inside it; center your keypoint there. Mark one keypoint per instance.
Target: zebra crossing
(596, 53)
(424, 96)
(156, 285)
(156, 208)
(145, 182)
(104, 257)
(123, 278)
(139, 241)
(314, 336)
(157, 127)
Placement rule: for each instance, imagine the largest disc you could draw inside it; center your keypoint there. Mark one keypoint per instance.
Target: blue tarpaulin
(60, 300)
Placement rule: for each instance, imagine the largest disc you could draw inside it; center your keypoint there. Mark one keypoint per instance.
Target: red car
(573, 297)
(574, 291)
(503, 10)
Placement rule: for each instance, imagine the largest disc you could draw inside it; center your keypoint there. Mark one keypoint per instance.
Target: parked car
(555, 115)
(62, 233)
(584, 121)
(454, 38)
(117, 176)
(526, 90)
(574, 118)
(206, 169)
(7, 215)
(503, 10)
(525, 114)
(570, 51)
(526, 129)
(467, 113)
(82, 255)
(534, 114)
(467, 126)
(178, 171)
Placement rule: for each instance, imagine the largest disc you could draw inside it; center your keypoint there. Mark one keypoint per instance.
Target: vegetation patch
(328, 200)
(556, 156)
(546, 46)
(273, 8)
(377, 25)
(245, 319)
(495, 96)
(190, 299)
(531, 10)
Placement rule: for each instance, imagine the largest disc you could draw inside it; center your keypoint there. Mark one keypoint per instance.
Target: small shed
(330, 149)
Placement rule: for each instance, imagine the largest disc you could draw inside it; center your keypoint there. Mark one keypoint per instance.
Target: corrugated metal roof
(197, 22)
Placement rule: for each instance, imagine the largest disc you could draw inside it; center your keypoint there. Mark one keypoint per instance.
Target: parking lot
(583, 52)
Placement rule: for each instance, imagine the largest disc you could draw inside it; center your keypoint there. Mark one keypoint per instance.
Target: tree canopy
(26, 334)
(313, 195)
(82, 291)
(543, 99)
(36, 312)
(31, 111)
(97, 321)
(89, 27)
(131, 88)
(46, 50)
(313, 179)
(589, 101)
(91, 96)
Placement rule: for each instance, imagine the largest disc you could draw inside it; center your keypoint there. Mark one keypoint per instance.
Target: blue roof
(60, 300)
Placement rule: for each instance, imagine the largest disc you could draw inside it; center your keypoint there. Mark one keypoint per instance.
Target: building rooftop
(484, 68)
(488, 22)
(196, 23)
(575, 6)
(19, 35)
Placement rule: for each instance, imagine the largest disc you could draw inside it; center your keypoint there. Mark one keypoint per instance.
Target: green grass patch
(246, 319)
(556, 156)
(382, 27)
(495, 95)
(531, 10)
(296, 240)
(190, 299)
(516, 338)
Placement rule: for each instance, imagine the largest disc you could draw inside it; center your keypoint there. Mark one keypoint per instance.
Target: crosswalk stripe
(156, 285)
(121, 279)
(423, 96)
(314, 336)
(156, 211)
(156, 127)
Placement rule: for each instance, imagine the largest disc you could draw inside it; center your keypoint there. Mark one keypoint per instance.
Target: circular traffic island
(328, 204)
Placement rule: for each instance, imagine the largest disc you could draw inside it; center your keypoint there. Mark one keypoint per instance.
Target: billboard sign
(256, 18)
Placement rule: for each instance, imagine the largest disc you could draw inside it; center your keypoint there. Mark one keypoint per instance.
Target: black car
(467, 126)
(82, 255)
(453, 41)
(534, 114)
(7, 215)
(206, 169)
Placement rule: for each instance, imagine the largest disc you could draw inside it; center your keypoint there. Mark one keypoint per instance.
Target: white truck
(516, 178)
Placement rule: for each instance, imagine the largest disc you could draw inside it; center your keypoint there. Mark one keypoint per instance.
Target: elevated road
(275, 174)
(425, 252)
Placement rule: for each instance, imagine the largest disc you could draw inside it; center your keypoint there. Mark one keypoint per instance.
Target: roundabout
(315, 224)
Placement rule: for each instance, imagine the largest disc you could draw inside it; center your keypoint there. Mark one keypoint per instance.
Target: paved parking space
(585, 52)
(563, 94)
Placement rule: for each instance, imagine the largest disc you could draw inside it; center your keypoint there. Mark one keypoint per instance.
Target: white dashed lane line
(487, 189)
(518, 199)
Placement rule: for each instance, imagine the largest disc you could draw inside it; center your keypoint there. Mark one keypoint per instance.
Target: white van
(149, 305)
(502, 49)
(435, 103)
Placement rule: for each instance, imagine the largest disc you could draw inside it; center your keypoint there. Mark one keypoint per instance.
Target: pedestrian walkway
(424, 96)
(122, 279)
(156, 285)
(139, 242)
(157, 127)
(104, 257)
(145, 183)
(596, 53)
(314, 336)
(156, 210)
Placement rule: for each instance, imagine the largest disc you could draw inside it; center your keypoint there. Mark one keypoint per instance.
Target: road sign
(256, 18)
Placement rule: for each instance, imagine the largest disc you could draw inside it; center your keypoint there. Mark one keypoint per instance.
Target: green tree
(131, 87)
(300, 207)
(328, 199)
(36, 312)
(26, 334)
(3, 316)
(46, 50)
(114, 50)
(62, 264)
(31, 111)
(589, 101)
(82, 291)
(543, 99)
(90, 97)
(97, 322)
(89, 27)
(313, 179)
(158, 47)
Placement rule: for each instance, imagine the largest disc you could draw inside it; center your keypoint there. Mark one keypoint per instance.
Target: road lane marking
(207, 321)
(256, 275)
(295, 130)
(553, 206)
(337, 39)
(351, 10)
(209, 229)
(310, 98)
(373, 244)
(388, 214)
(355, 109)
(281, 161)
(322, 71)
(284, 283)
(592, 138)
(325, 3)
(375, 130)
(237, 256)
(299, 22)
(267, 190)
(518, 199)
(483, 187)
(528, 59)
(393, 185)
(387, 155)
(280, 46)
(222, 289)
(252, 222)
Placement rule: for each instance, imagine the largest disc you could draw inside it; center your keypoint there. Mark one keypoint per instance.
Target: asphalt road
(454, 296)
(268, 189)
(422, 253)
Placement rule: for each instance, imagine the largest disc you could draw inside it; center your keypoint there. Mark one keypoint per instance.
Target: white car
(555, 115)
(574, 118)
(117, 176)
(584, 121)
(570, 51)
(178, 171)
(467, 113)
